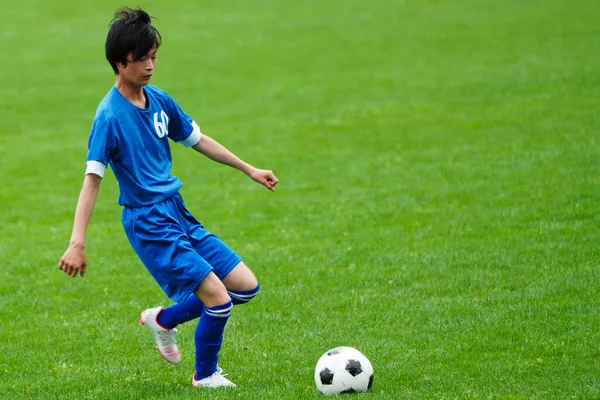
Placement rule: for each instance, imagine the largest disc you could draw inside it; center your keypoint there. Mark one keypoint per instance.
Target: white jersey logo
(162, 126)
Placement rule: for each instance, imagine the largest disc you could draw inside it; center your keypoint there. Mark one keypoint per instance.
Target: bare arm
(217, 152)
(73, 260)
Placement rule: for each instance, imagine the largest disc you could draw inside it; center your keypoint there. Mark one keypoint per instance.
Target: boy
(193, 267)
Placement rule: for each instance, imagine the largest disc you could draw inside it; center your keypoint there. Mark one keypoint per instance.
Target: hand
(264, 177)
(73, 261)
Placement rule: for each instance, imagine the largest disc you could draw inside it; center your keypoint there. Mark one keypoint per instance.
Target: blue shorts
(175, 247)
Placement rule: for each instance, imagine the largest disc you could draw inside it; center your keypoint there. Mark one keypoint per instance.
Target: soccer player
(130, 133)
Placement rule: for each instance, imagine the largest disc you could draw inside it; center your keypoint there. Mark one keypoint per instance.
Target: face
(138, 72)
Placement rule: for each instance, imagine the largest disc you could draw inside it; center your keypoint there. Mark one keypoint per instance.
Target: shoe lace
(166, 337)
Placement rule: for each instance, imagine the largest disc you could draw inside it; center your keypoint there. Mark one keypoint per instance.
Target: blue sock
(179, 313)
(242, 296)
(208, 337)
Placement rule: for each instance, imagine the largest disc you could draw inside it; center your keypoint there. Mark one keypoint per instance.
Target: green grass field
(438, 205)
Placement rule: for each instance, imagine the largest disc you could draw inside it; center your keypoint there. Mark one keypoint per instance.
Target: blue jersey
(133, 141)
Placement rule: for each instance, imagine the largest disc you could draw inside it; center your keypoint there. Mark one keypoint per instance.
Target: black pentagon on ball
(326, 376)
(353, 367)
(348, 391)
(337, 350)
(370, 382)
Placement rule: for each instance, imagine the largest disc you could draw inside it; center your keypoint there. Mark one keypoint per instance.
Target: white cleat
(166, 339)
(216, 380)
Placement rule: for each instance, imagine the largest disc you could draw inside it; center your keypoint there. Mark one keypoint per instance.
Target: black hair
(130, 30)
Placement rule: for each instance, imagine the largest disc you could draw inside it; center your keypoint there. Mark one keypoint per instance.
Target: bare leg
(241, 284)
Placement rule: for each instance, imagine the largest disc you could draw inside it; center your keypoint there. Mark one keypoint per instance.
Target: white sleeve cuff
(194, 137)
(96, 168)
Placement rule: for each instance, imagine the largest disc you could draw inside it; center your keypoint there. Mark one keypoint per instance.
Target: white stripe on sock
(219, 313)
(242, 297)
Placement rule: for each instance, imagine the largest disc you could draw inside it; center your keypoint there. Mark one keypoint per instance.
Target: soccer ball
(343, 370)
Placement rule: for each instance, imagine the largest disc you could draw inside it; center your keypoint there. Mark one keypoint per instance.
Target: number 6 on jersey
(162, 126)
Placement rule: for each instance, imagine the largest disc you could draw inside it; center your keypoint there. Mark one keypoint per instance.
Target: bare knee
(212, 292)
(240, 278)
